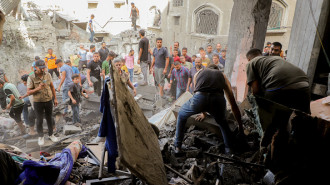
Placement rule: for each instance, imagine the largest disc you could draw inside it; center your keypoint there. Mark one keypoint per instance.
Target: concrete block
(71, 129)
(32, 143)
(92, 103)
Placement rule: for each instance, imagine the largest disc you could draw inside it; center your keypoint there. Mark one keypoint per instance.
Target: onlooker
(276, 49)
(23, 91)
(180, 73)
(217, 62)
(107, 62)
(184, 53)
(75, 70)
(15, 105)
(134, 15)
(143, 56)
(50, 60)
(209, 52)
(185, 64)
(82, 54)
(124, 76)
(218, 50)
(193, 58)
(160, 62)
(267, 49)
(4, 78)
(33, 64)
(124, 67)
(94, 73)
(191, 83)
(104, 51)
(176, 46)
(89, 55)
(223, 57)
(75, 92)
(129, 60)
(66, 75)
(91, 28)
(40, 85)
(205, 61)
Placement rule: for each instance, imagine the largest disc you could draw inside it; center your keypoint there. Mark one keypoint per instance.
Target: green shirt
(106, 67)
(10, 89)
(188, 65)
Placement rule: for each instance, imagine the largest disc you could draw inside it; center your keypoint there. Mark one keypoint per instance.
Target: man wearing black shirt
(210, 87)
(143, 56)
(94, 73)
(104, 51)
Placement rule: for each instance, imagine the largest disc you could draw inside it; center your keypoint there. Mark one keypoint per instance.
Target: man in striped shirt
(181, 74)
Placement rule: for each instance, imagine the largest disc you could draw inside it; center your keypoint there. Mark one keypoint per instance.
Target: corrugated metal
(6, 6)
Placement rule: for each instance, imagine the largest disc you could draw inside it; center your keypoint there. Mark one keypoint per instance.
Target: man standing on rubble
(82, 54)
(94, 73)
(66, 80)
(50, 60)
(211, 85)
(180, 73)
(107, 62)
(91, 28)
(134, 15)
(89, 55)
(40, 85)
(143, 56)
(104, 51)
(192, 72)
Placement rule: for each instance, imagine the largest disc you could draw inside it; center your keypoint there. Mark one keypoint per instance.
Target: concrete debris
(71, 129)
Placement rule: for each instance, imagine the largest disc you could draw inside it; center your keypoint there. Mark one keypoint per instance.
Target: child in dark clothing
(75, 93)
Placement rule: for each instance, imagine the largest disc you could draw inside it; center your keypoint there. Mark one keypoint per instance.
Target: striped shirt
(181, 77)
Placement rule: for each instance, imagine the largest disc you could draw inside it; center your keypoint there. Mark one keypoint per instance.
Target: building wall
(282, 35)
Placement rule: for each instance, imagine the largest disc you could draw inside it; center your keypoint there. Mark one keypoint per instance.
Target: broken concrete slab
(91, 103)
(33, 143)
(71, 129)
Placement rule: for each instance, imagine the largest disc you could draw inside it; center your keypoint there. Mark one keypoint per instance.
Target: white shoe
(53, 138)
(41, 141)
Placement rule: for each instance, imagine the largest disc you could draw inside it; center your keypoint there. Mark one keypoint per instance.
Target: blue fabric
(213, 104)
(65, 96)
(131, 73)
(222, 61)
(75, 113)
(107, 128)
(75, 70)
(83, 54)
(91, 38)
(68, 74)
(179, 92)
(26, 111)
(160, 57)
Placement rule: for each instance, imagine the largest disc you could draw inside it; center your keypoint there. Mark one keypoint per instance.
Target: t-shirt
(2, 74)
(106, 67)
(83, 54)
(50, 61)
(22, 89)
(91, 26)
(68, 74)
(75, 90)
(89, 56)
(45, 94)
(192, 73)
(129, 60)
(95, 67)
(103, 53)
(188, 65)
(188, 58)
(160, 57)
(222, 61)
(144, 44)
(206, 62)
(273, 73)
(75, 70)
(209, 55)
(210, 81)
(124, 68)
(9, 90)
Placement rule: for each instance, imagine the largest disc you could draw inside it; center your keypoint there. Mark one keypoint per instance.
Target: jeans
(215, 104)
(131, 73)
(26, 110)
(92, 35)
(44, 109)
(97, 84)
(75, 113)
(65, 96)
(144, 68)
(179, 92)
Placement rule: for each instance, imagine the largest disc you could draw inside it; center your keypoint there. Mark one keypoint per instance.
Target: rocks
(71, 129)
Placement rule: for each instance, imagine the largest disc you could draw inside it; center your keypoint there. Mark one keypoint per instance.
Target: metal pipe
(179, 174)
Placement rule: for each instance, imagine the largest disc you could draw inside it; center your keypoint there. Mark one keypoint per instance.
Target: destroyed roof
(66, 17)
(7, 6)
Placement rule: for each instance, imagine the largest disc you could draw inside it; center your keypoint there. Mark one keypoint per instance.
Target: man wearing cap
(143, 56)
(66, 80)
(134, 15)
(40, 85)
(94, 73)
(107, 62)
(50, 60)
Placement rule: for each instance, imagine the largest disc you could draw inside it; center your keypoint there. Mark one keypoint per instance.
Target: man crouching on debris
(124, 76)
(210, 87)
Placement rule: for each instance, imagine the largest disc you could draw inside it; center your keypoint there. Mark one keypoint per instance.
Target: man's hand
(55, 102)
(8, 107)
(139, 61)
(74, 101)
(169, 75)
(165, 71)
(90, 84)
(134, 90)
(86, 96)
(41, 86)
(150, 71)
(200, 117)
(21, 97)
(59, 89)
(188, 90)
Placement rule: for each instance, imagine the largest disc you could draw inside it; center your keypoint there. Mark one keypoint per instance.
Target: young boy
(75, 93)
(124, 68)
(129, 60)
(193, 58)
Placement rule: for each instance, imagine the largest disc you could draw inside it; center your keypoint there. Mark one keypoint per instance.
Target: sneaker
(53, 138)
(41, 141)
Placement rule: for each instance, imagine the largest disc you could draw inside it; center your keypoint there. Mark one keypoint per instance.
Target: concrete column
(305, 46)
(248, 26)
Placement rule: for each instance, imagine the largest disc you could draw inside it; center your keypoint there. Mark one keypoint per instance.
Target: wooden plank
(137, 142)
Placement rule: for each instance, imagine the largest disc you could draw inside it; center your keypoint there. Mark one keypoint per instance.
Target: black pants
(51, 71)
(9, 170)
(16, 113)
(134, 22)
(44, 109)
(2, 99)
(97, 85)
(82, 64)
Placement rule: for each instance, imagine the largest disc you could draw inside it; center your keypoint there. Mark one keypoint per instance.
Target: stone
(32, 143)
(92, 103)
(71, 129)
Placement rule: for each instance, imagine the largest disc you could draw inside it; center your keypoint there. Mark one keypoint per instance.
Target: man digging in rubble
(66, 75)
(210, 87)
(15, 104)
(40, 85)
